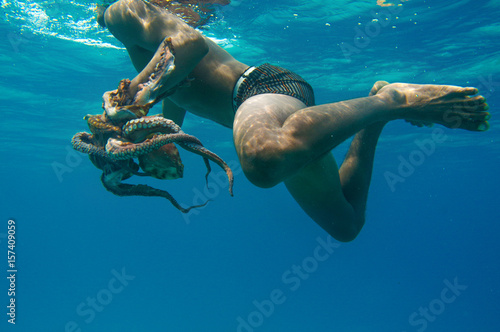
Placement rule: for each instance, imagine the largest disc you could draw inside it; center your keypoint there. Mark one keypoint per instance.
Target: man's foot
(379, 85)
(450, 106)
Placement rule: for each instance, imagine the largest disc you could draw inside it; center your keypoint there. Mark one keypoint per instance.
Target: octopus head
(164, 163)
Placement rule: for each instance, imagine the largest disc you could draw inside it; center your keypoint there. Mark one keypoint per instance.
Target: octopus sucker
(152, 125)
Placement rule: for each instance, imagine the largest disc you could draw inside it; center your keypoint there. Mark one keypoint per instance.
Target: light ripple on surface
(64, 19)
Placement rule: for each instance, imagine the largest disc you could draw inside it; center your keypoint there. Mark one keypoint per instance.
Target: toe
(479, 117)
(377, 86)
(469, 91)
(475, 126)
(476, 121)
(471, 104)
(483, 126)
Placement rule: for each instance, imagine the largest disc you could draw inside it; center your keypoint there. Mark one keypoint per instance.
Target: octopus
(125, 133)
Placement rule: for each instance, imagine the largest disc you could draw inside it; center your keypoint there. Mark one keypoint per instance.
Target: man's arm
(143, 27)
(173, 112)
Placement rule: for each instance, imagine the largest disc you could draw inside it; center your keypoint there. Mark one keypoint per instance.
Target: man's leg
(316, 187)
(336, 203)
(277, 139)
(276, 135)
(356, 170)
(336, 199)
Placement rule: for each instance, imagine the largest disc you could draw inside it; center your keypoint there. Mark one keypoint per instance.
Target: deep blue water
(426, 260)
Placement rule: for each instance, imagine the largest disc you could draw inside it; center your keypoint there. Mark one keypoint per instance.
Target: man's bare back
(278, 137)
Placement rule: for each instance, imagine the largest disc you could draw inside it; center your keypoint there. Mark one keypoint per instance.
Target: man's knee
(347, 230)
(345, 236)
(262, 168)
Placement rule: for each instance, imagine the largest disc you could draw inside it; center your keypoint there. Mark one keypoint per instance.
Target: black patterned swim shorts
(271, 79)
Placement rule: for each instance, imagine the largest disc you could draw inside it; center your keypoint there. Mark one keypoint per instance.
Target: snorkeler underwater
(250, 165)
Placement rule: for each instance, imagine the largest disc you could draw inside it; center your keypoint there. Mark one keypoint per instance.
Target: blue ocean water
(426, 260)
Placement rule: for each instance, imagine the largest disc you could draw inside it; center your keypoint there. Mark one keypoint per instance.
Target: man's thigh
(259, 138)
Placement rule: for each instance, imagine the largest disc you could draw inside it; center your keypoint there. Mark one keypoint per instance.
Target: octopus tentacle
(138, 129)
(207, 154)
(120, 150)
(84, 142)
(123, 189)
(129, 166)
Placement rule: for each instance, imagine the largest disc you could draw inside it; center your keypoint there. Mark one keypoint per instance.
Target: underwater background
(426, 260)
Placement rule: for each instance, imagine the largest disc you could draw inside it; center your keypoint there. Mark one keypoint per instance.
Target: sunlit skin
(277, 138)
